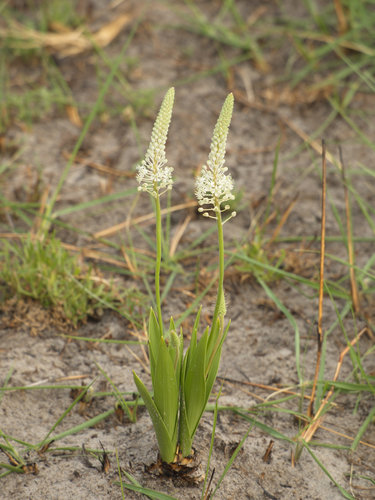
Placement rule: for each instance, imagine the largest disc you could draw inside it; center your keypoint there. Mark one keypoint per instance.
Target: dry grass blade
(283, 220)
(313, 144)
(132, 267)
(310, 430)
(179, 233)
(302, 94)
(72, 377)
(329, 39)
(321, 280)
(241, 97)
(37, 224)
(65, 44)
(341, 18)
(345, 436)
(245, 74)
(99, 167)
(73, 116)
(275, 390)
(144, 363)
(89, 253)
(353, 282)
(143, 218)
(208, 491)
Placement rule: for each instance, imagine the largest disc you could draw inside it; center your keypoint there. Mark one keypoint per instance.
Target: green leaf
(368, 420)
(167, 447)
(263, 427)
(193, 340)
(213, 339)
(193, 344)
(196, 323)
(213, 369)
(153, 341)
(175, 348)
(211, 376)
(185, 363)
(148, 492)
(185, 435)
(166, 389)
(172, 326)
(195, 383)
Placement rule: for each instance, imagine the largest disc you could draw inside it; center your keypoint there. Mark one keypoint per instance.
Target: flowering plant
(182, 382)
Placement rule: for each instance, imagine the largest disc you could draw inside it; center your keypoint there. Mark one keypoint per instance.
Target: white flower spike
(213, 186)
(153, 173)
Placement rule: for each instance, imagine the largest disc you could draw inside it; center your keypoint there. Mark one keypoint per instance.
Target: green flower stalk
(182, 383)
(213, 187)
(155, 177)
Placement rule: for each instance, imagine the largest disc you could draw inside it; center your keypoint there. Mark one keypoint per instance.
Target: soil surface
(260, 347)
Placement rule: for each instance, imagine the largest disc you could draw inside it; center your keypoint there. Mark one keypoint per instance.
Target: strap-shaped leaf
(196, 322)
(194, 334)
(192, 345)
(172, 325)
(212, 372)
(153, 341)
(178, 376)
(178, 355)
(166, 389)
(174, 348)
(185, 363)
(185, 434)
(213, 338)
(210, 380)
(195, 384)
(167, 446)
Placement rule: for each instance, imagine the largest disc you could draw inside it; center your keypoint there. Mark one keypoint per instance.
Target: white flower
(153, 172)
(213, 186)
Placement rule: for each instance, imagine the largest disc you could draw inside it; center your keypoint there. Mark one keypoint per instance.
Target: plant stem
(216, 332)
(220, 288)
(158, 262)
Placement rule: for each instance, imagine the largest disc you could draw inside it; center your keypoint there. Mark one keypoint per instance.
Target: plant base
(188, 469)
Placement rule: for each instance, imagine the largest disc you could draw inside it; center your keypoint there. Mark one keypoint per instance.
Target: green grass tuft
(45, 271)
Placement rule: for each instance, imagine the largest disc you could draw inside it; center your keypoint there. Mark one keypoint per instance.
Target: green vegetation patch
(47, 272)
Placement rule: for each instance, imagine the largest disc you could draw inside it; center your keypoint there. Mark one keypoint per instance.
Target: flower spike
(213, 186)
(153, 173)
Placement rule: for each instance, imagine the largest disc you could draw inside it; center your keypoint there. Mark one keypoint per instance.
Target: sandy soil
(260, 346)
